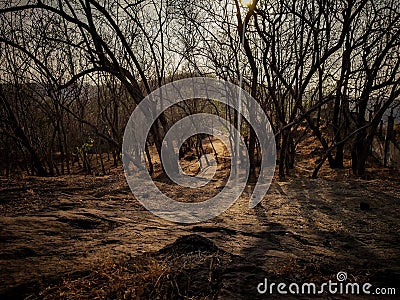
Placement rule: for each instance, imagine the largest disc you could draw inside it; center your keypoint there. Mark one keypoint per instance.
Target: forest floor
(77, 236)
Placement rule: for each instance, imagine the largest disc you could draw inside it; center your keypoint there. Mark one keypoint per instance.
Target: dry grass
(168, 276)
(110, 280)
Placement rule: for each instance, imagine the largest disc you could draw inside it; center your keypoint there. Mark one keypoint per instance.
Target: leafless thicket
(73, 71)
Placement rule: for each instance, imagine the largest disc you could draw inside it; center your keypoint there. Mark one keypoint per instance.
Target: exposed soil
(54, 231)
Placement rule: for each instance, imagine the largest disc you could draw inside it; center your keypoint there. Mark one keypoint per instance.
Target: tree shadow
(328, 233)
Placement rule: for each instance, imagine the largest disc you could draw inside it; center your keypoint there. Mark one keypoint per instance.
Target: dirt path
(51, 228)
(314, 228)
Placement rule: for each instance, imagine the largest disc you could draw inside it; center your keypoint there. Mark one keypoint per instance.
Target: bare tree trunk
(388, 138)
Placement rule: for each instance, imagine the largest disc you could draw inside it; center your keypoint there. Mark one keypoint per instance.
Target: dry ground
(87, 237)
